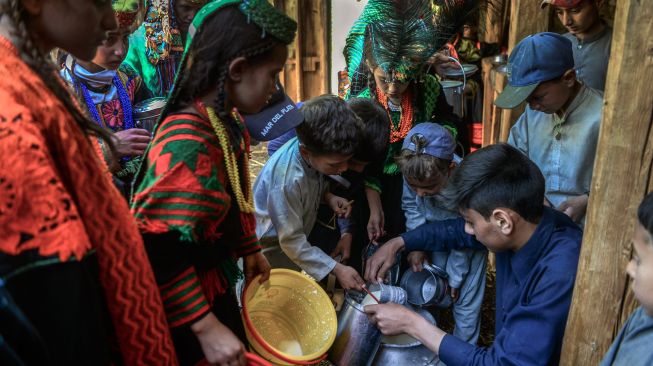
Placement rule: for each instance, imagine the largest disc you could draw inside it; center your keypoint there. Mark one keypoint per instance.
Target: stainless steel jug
(357, 338)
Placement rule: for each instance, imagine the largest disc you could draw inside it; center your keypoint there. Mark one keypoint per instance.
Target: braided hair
(223, 37)
(46, 69)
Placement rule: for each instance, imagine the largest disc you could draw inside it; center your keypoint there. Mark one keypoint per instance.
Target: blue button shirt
(534, 287)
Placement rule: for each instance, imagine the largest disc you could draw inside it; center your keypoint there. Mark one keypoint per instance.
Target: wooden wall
(623, 174)
(306, 74)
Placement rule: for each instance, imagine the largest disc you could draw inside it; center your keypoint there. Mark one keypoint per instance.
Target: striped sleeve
(183, 300)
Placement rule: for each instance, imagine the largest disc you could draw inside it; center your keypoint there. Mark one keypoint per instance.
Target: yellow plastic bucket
(289, 320)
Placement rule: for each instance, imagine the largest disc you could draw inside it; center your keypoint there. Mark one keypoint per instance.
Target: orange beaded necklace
(406, 122)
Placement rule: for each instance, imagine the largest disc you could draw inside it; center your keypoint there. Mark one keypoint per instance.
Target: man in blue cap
(559, 129)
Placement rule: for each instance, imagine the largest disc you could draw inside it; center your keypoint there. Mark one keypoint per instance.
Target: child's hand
(131, 142)
(455, 294)
(575, 207)
(219, 344)
(348, 277)
(343, 248)
(416, 259)
(255, 264)
(375, 225)
(339, 205)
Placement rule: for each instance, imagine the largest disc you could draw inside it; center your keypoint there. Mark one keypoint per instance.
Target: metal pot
(357, 339)
(147, 113)
(395, 351)
(427, 287)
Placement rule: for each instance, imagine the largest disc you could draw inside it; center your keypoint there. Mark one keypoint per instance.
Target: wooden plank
(508, 119)
(488, 99)
(622, 175)
(526, 17)
(314, 48)
(491, 21)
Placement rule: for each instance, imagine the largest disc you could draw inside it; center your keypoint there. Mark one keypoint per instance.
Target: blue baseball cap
(430, 139)
(537, 58)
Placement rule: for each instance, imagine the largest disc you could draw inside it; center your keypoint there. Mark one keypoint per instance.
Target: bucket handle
(264, 344)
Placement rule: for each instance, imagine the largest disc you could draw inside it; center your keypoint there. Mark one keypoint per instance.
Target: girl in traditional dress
(193, 200)
(387, 51)
(109, 90)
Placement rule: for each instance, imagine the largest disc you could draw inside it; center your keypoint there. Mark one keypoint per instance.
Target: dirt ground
(259, 157)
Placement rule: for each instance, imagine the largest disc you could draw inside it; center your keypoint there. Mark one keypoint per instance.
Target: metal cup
(389, 293)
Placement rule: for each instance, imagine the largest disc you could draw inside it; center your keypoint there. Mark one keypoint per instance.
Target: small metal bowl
(499, 59)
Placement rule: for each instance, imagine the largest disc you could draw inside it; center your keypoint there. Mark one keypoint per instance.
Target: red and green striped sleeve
(183, 300)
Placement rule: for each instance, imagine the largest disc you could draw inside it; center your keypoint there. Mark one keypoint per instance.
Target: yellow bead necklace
(245, 203)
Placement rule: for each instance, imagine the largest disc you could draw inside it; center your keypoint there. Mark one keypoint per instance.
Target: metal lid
(467, 69)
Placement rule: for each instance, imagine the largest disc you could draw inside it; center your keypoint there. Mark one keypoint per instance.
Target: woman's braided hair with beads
(46, 69)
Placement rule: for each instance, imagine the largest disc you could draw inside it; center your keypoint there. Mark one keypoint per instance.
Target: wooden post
(622, 175)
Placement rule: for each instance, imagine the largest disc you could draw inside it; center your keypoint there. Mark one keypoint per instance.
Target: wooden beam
(622, 175)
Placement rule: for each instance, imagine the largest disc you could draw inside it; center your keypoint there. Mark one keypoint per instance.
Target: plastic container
(477, 133)
(289, 320)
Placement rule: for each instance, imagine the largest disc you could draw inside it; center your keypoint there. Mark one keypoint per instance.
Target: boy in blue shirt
(499, 193)
(292, 184)
(632, 346)
(426, 161)
(559, 129)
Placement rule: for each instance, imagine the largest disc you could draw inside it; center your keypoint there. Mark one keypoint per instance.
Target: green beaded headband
(260, 12)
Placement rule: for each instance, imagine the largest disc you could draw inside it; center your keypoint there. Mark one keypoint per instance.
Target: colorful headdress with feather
(403, 34)
(129, 13)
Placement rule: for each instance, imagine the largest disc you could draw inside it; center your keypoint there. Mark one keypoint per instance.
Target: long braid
(371, 84)
(45, 68)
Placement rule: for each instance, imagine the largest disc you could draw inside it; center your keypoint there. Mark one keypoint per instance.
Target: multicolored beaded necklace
(245, 203)
(399, 132)
(125, 104)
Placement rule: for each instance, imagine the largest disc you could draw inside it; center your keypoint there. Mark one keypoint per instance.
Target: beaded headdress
(403, 34)
(128, 13)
